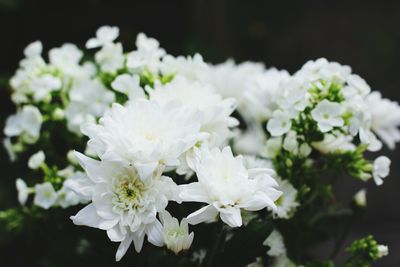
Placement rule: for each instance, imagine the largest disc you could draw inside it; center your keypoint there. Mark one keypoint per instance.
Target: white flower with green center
(227, 186)
(280, 123)
(45, 195)
(122, 203)
(328, 115)
(111, 57)
(380, 169)
(36, 160)
(176, 236)
(145, 134)
(26, 123)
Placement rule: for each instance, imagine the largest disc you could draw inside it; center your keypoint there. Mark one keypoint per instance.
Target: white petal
(88, 217)
(193, 192)
(204, 214)
(123, 247)
(155, 234)
(231, 216)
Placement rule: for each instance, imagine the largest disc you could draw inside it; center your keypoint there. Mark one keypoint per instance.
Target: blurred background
(364, 35)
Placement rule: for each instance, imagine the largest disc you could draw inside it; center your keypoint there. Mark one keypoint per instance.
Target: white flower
(383, 251)
(380, 169)
(176, 236)
(275, 244)
(33, 49)
(43, 85)
(148, 54)
(197, 97)
(272, 147)
(128, 85)
(26, 122)
(110, 57)
(385, 118)
(9, 149)
(89, 100)
(250, 141)
(36, 160)
(323, 69)
(45, 195)
(66, 198)
(145, 134)
(227, 186)
(328, 115)
(23, 191)
(122, 204)
(279, 124)
(286, 204)
(290, 142)
(360, 198)
(334, 142)
(104, 35)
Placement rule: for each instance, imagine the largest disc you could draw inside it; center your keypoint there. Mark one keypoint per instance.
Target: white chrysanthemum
(122, 203)
(215, 111)
(381, 169)
(104, 35)
(26, 122)
(227, 186)
(147, 56)
(88, 101)
(280, 123)
(287, 203)
(45, 195)
(328, 115)
(275, 244)
(23, 191)
(176, 236)
(385, 118)
(145, 134)
(36, 160)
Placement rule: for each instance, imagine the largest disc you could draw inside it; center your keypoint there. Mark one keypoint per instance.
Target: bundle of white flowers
(156, 132)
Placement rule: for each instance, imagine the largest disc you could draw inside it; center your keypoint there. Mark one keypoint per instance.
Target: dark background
(364, 35)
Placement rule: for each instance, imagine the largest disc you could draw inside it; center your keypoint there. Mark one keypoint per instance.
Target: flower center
(128, 191)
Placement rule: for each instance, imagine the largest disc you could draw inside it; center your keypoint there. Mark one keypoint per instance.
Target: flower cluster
(161, 146)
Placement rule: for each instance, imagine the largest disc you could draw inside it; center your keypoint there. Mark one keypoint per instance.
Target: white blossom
(23, 191)
(110, 57)
(123, 204)
(128, 85)
(176, 236)
(275, 244)
(383, 251)
(104, 35)
(328, 115)
(36, 160)
(45, 195)
(287, 203)
(279, 124)
(227, 186)
(381, 169)
(26, 122)
(360, 198)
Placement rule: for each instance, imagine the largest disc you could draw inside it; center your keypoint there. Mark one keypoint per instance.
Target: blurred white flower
(36, 160)
(328, 115)
(23, 191)
(176, 236)
(275, 244)
(360, 198)
(26, 122)
(128, 85)
(279, 124)
(287, 203)
(45, 195)
(104, 35)
(335, 142)
(381, 169)
(383, 251)
(227, 186)
(110, 58)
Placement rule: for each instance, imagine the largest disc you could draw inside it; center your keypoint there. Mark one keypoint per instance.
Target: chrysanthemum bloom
(227, 186)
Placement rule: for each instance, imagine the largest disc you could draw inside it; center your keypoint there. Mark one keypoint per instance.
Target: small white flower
(227, 186)
(328, 115)
(290, 142)
(383, 251)
(26, 122)
(275, 244)
(23, 191)
(279, 124)
(381, 169)
(176, 236)
(36, 160)
(10, 149)
(286, 204)
(128, 85)
(104, 35)
(272, 147)
(33, 49)
(43, 85)
(334, 142)
(360, 198)
(66, 198)
(110, 57)
(45, 195)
